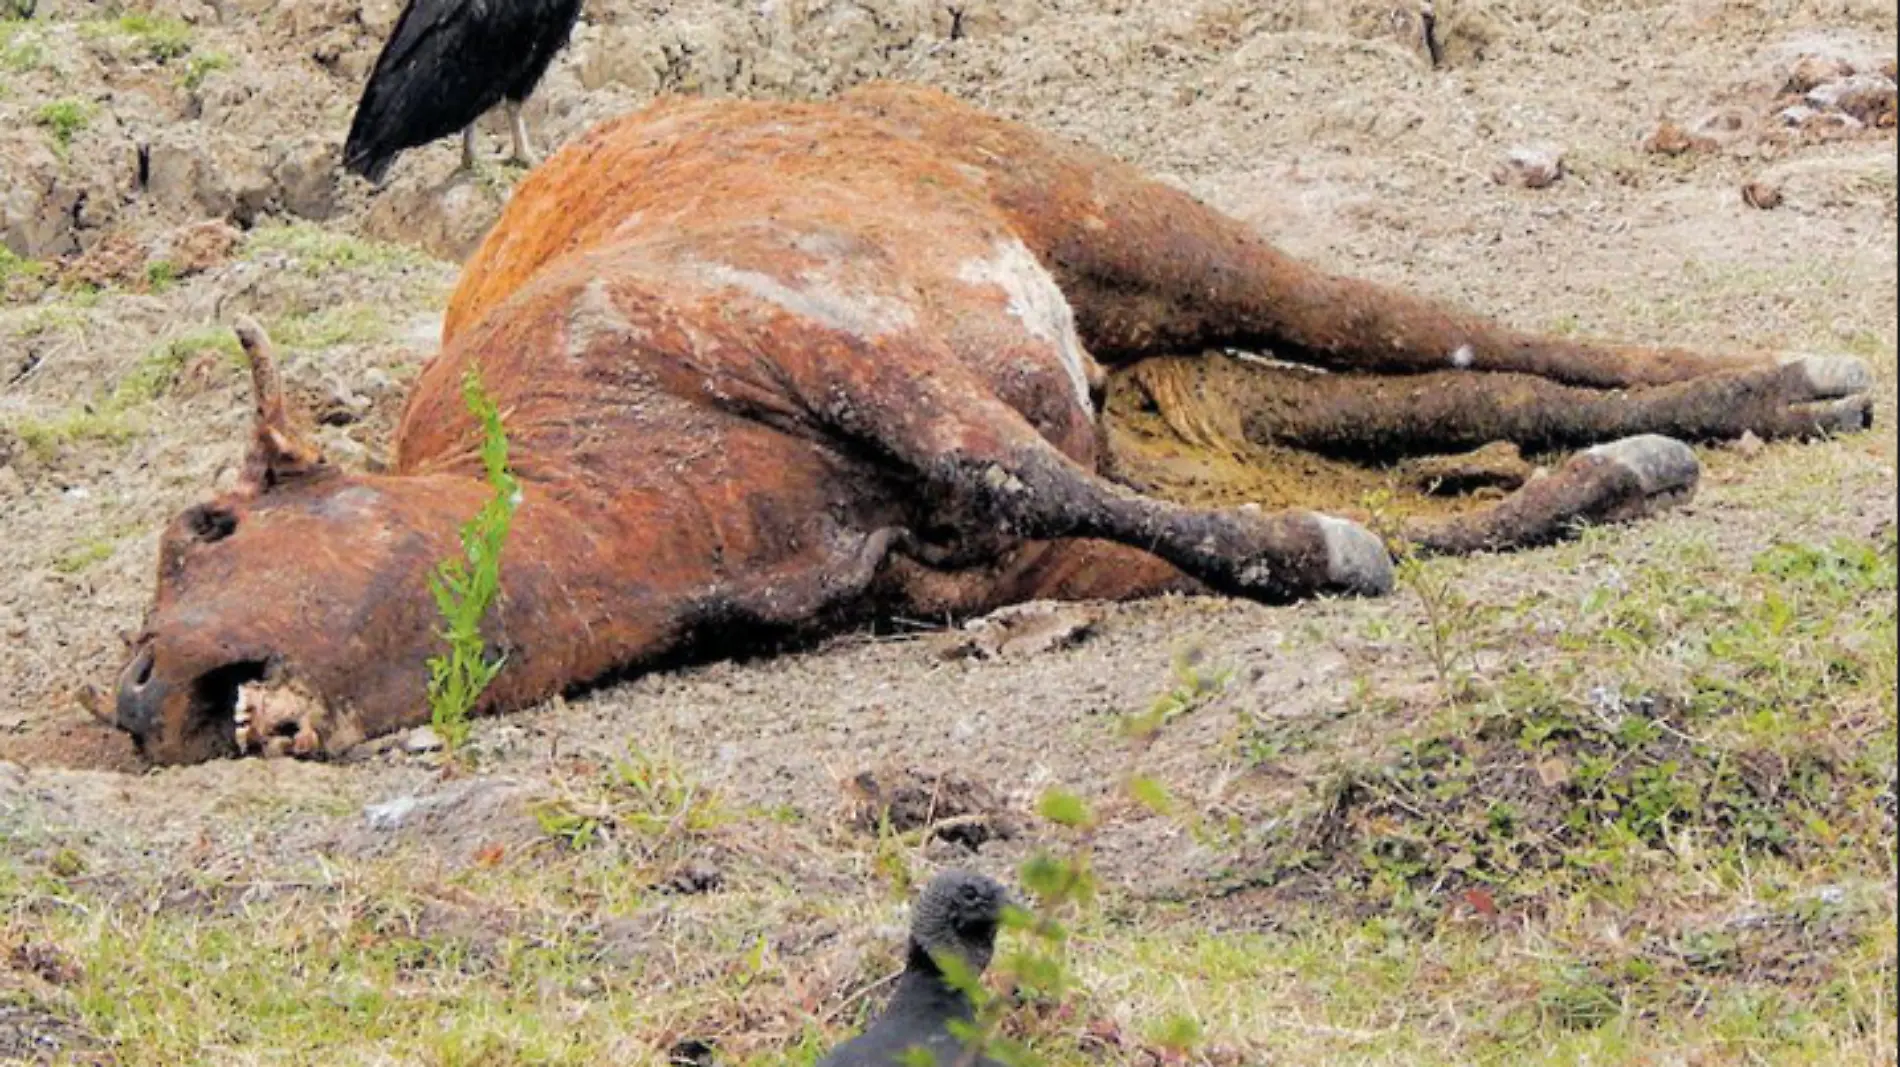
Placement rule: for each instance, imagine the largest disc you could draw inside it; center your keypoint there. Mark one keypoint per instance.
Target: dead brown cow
(772, 365)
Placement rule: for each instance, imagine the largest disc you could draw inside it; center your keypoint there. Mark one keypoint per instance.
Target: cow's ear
(280, 451)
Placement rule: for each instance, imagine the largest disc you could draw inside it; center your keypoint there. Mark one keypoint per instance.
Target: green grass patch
(45, 438)
(21, 50)
(319, 252)
(199, 66)
(152, 38)
(13, 265)
(63, 120)
(116, 418)
(332, 326)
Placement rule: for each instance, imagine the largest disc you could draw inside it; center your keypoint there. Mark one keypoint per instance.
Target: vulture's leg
(1387, 418)
(524, 152)
(468, 147)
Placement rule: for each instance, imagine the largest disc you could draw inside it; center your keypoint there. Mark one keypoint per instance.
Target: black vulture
(958, 915)
(446, 64)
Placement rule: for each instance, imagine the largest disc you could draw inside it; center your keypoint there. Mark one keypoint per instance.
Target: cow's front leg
(983, 468)
(1617, 482)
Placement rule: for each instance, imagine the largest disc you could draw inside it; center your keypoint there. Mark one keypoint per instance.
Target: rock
(1796, 115)
(390, 814)
(1530, 166)
(1832, 123)
(37, 202)
(1498, 465)
(1869, 98)
(307, 178)
(1761, 194)
(1724, 126)
(447, 220)
(455, 822)
(422, 739)
(1748, 445)
(186, 176)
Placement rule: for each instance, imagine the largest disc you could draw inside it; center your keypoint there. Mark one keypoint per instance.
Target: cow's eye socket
(209, 524)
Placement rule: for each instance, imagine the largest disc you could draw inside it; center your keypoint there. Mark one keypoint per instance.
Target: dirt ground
(163, 173)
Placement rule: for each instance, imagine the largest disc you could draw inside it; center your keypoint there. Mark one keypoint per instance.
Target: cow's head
(303, 579)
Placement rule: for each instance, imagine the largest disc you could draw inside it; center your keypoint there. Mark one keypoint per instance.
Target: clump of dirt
(946, 805)
(143, 264)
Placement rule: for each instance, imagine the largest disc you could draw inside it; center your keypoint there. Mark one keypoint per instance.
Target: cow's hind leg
(985, 469)
(1384, 418)
(1640, 470)
(1150, 270)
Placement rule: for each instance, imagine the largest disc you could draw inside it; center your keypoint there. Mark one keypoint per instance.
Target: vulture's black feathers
(958, 914)
(446, 64)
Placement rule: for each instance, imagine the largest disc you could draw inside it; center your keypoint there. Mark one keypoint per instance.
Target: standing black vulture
(446, 64)
(957, 915)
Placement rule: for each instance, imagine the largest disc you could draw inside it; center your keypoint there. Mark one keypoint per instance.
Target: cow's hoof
(1665, 469)
(1850, 415)
(1356, 560)
(1828, 377)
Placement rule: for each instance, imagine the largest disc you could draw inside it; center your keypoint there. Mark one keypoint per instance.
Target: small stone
(1748, 445)
(1765, 196)
(390, 814)
(422, 739)
(1796, 115)
(1671, 139)
(1811, 70)
(1530, 166)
